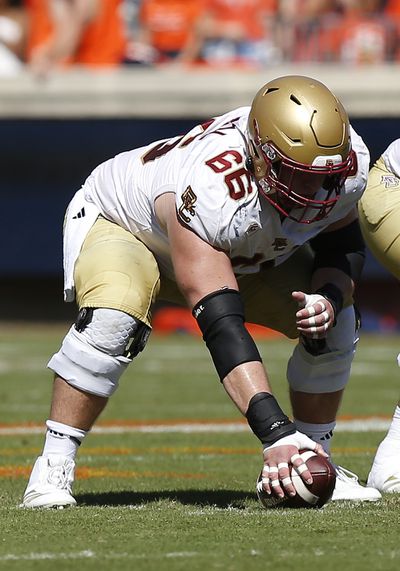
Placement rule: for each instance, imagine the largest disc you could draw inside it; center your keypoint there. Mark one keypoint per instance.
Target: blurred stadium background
(59, 119)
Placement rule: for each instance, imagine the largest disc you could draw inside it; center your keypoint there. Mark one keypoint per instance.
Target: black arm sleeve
(220, 316)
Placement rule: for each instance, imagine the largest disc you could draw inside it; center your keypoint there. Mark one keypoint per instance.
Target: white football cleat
(347, 487)
(385, 477)
(385, 471)
(50, 483)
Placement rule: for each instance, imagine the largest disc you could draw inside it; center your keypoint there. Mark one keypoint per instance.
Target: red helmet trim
(301, 208)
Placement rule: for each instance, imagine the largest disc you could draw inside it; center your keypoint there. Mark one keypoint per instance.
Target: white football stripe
(307, 455)
(302, 490)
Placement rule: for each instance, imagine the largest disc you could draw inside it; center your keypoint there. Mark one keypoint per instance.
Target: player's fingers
(301, 468)
(285, 479)
(320, 322)
(265, 479)
(316, 309)
(274, 482)
(319, 450)
(316, 320)
(299, 296)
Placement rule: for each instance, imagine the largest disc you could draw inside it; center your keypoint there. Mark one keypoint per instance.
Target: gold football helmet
(298, 131)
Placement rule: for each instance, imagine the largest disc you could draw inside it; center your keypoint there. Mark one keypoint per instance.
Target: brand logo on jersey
(279, 244)
(79, 214)
(390, 181)
(189, 200)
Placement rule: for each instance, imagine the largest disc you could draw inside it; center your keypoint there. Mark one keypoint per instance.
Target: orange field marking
(86, 472)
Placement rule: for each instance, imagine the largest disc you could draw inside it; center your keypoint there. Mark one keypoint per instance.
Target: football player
(251, 215)
(379, 208)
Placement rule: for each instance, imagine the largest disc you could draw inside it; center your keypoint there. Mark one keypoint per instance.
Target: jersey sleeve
(199, 204)
(391, 157)
(212, 186)
(360, 176)
(357, 179)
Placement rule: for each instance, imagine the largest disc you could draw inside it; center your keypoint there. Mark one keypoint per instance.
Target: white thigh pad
(327, 372)
(93, 359)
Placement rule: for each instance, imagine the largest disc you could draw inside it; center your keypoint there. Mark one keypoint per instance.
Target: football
(315, 495)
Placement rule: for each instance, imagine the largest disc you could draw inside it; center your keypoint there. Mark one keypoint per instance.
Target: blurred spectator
(392, 8)
(366, 34)
(235, 31)
(130, 12)
(304, 29)
(215, 32)
(12, 37)
(392, 11)
(164, 30)
(86, 32)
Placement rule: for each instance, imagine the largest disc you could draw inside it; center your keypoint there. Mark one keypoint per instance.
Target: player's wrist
(267, 420)
(335, 297)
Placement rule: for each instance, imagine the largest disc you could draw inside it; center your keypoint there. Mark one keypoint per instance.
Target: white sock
(62, 439)
(394, 429)
(389, 448)
(321, 433)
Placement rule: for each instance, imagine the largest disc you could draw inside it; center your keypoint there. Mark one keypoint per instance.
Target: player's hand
(280, 457)
(316, 315)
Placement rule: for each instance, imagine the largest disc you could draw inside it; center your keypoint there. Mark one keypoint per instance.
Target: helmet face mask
(292, 187)
(299, 143)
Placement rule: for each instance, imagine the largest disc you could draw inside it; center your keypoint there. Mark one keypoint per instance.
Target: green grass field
(164, 485)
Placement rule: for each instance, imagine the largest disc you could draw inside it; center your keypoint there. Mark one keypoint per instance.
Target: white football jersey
(216, 196)
(391, 157)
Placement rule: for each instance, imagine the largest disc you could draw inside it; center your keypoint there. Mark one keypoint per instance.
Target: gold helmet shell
(297, 122)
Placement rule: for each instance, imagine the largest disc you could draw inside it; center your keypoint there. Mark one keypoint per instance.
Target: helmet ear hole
(250, 164)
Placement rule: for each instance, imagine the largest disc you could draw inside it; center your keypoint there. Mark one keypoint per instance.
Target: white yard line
(44, 555)
(370, 424)
(88, 554)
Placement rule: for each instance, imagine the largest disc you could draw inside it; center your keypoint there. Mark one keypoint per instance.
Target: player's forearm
(245, 381)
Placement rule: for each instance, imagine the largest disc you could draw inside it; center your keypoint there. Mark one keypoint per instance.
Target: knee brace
(98, 348)
(326, 371)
